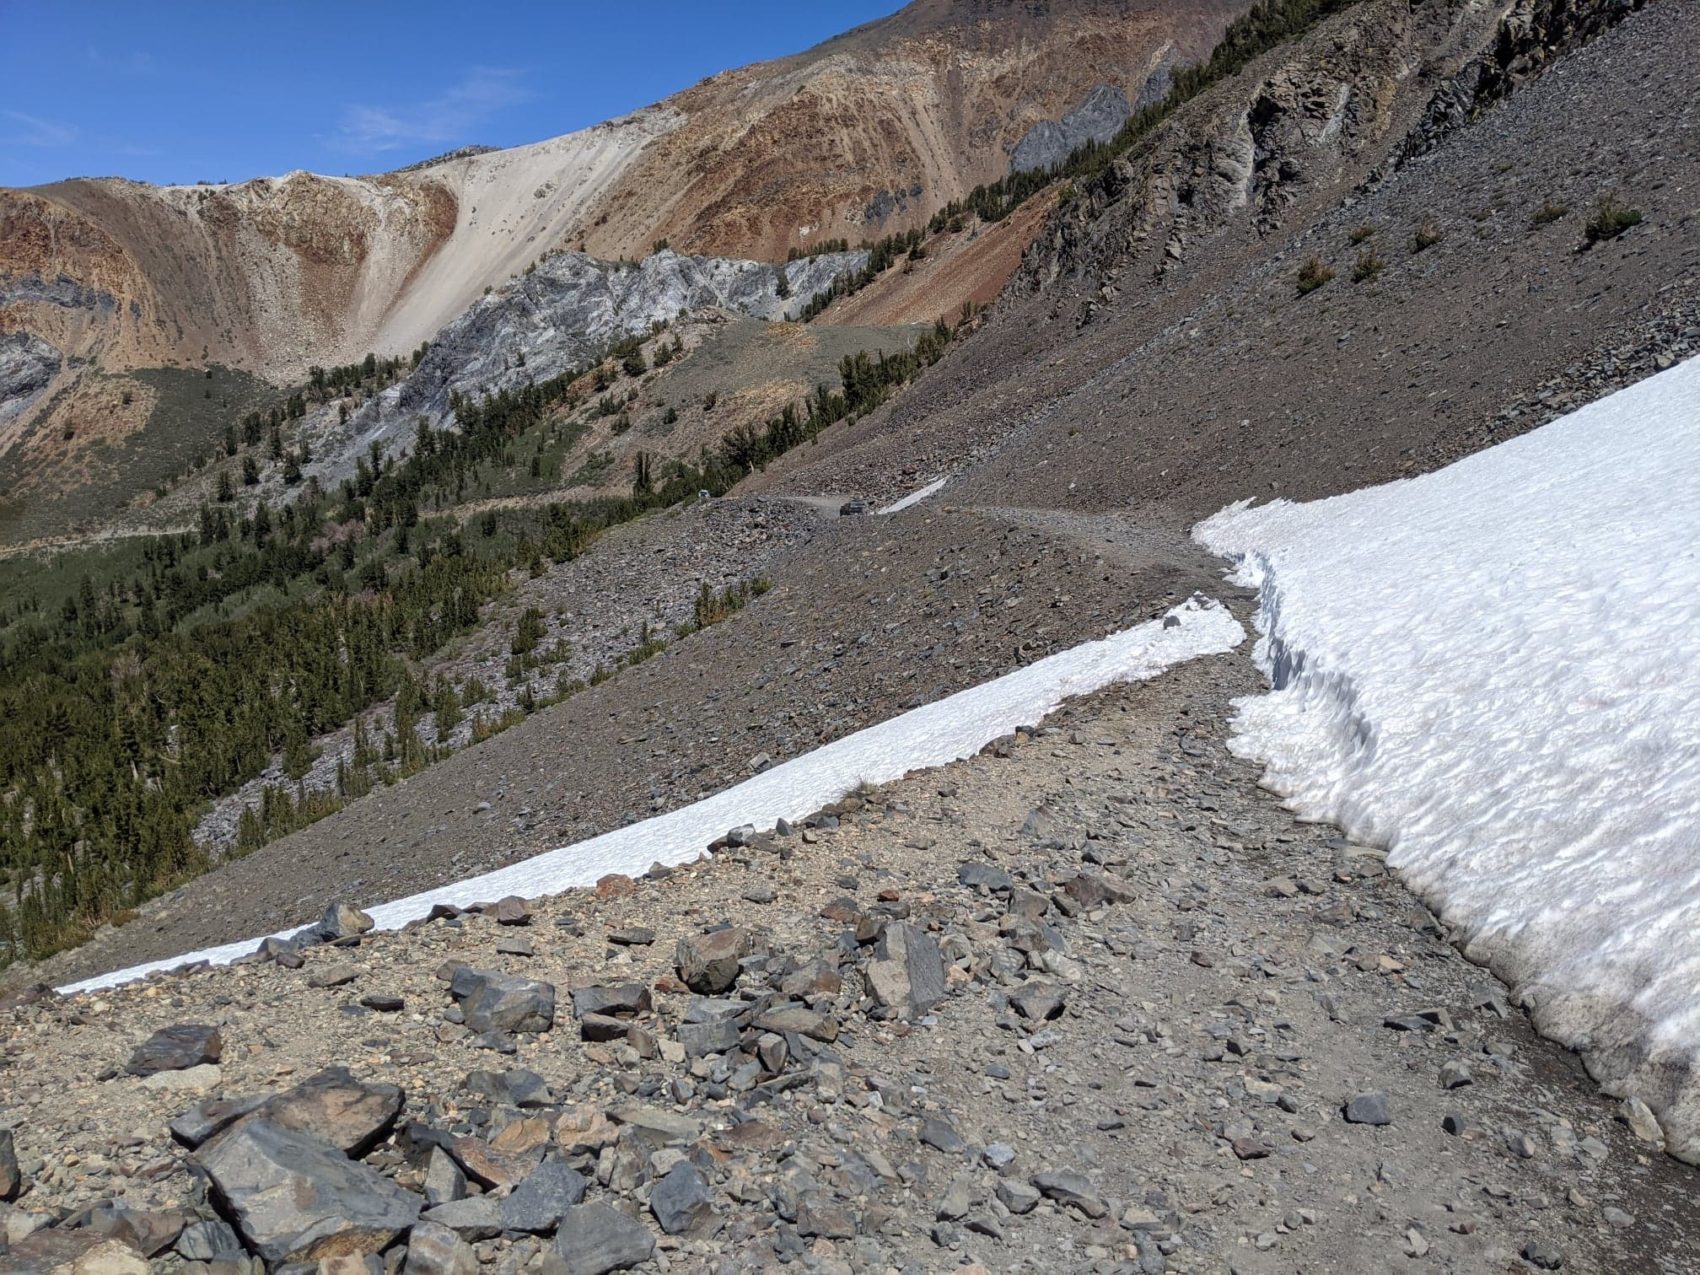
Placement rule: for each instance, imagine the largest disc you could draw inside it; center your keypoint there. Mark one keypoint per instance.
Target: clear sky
(190, 90)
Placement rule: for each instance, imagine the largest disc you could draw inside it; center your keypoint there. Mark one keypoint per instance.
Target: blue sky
(180, 91)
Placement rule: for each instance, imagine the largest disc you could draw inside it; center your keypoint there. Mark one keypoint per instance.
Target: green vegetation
(176, 669)
(1312, 275)
(1611, 218)
(1427, 234)
(1361, 234)
(1548, 213)
(819, 249)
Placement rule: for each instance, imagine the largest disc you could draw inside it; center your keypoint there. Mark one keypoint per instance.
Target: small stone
(1368, 1108)
(1016, 1196)
(335, 975)
(1072, 1189)
(433, 1249)
(1455, 1075)
(1543, 1255)
(1642, 1122)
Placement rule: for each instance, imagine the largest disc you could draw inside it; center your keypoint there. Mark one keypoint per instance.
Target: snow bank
(1494, 671)
(933, 735)
(916, 497)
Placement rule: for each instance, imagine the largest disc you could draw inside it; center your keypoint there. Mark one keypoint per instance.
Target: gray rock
(720, 1037)
(680, 1201)
(444, 1179)
(1017, 1197)
(204, 1119)
(28, 365)
(614, 999)
(1100, 114)
(517, 1088)
(343, 921)
(907, 972)
(709, 963)
(1543, 1255)
(1368, 1108)
(436, 1250)
(294, 1198)
(332, 1106)
(1039, 1002)
(936, 1132)
(984, 876)
(597, 1238)
(538, 1204)
(11, 1177)
(175, 1049)
(503, 1002)
(477, 1217)
(570, 306)
(209, 1242)
(1073, 1189)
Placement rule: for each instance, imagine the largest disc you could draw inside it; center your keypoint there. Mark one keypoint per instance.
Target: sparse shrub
(710, 399)
(1361, 233)
(1428, 233)
(670, 416)
(1611, 218)
(1313, 274)
(1550, 212)
(528, 632)
(1367, 266)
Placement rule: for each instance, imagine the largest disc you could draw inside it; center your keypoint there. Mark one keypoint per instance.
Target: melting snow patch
(945, 731)
(916, 497)
(1494, 671)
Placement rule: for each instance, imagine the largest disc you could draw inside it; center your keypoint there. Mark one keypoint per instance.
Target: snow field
(1494, 671)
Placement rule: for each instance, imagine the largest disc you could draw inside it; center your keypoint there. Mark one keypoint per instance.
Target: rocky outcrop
(1049, 142)
(27, 366)
(555, 318)
(1531, 34)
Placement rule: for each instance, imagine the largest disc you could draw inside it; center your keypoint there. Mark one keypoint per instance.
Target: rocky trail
(1089, 1001)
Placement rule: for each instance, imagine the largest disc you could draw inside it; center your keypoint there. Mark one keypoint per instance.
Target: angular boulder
(492, 1002)
(709, 963)
(597, 1238)
(436, 1250)
(907, 972)
(332, 1106)
(680, 1201)
(293, 1198)
(176, 1048)
(343, 921)
(538, 1204)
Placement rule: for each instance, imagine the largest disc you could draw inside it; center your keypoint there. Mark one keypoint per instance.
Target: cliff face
(866, 134)
(554, 318)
